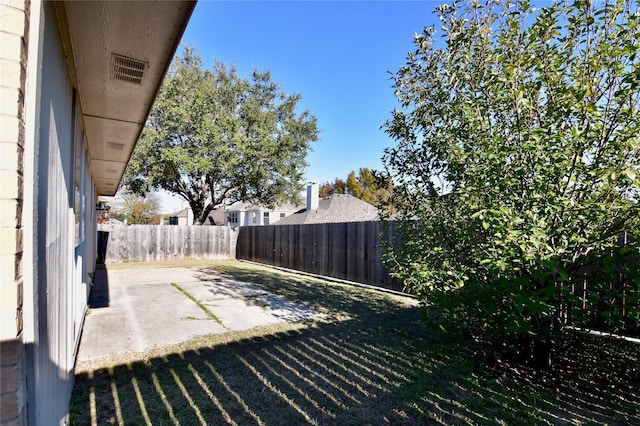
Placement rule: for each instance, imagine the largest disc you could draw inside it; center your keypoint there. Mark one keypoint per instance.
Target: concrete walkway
(135, 310)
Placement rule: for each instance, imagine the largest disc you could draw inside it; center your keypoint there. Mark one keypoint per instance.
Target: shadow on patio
(371, 362)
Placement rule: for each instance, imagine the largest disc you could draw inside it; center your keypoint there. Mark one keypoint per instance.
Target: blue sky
(336, 54)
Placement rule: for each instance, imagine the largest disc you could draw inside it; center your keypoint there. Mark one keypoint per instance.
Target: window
(282, 215)
(79, 185)
(233, 217)
(265, 217)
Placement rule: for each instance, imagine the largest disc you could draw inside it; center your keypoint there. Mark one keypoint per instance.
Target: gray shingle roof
(180, 213)
(335, 208)
(215, 217)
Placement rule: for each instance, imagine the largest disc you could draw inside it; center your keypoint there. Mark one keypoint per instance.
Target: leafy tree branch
(213, 136)
(515, 169)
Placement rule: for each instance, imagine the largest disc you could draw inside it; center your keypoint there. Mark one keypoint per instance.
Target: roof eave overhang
(118, 53)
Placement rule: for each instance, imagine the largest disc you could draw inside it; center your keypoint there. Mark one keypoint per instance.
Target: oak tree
(213, 137)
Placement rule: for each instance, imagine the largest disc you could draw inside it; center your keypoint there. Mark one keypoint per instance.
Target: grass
(369, 360)
(206, 310)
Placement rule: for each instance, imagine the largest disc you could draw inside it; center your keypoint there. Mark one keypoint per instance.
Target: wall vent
(115, 146)
(127, 69)
(111, 171)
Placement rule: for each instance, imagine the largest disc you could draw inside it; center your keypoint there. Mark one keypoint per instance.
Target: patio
(367, 358)
(133, 311)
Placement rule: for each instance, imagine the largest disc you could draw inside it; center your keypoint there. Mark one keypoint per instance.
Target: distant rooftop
(335, 208)
(215, 217)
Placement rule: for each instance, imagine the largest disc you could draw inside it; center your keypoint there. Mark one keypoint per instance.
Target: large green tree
(516, 170)
(213, 136)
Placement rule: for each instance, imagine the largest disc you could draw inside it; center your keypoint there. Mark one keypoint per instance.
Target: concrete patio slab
(254, 316)
(221, 288)
(137, 309)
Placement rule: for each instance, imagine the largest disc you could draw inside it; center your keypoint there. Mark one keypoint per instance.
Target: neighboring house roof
(182, 213)
(335, 208)
(241, 207)
(215, 217)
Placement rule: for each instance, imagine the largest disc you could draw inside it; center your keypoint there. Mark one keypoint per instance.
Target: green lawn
(370, 360)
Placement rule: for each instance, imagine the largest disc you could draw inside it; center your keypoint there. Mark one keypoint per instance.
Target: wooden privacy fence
(350, 251)
(157, 242)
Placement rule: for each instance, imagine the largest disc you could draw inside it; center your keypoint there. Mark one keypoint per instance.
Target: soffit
(118, 53)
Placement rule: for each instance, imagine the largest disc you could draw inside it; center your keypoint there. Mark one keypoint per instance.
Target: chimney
(312, 196)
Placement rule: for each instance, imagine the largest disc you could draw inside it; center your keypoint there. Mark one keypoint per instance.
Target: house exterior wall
(50, 379)
(250, 218)
(47, 218)
(275, 216)
(184, 221)
(59, 280)
(255, 217)
(245, 218)
(14, 27)
(183, 217)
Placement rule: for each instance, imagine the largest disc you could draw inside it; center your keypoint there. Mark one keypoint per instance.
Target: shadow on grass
(371, 361)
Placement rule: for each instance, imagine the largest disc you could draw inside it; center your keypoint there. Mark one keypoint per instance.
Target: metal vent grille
(111, 171)
(127, 69)
(115, 146)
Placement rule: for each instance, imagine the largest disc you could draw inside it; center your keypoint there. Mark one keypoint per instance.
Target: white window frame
(233, 217)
